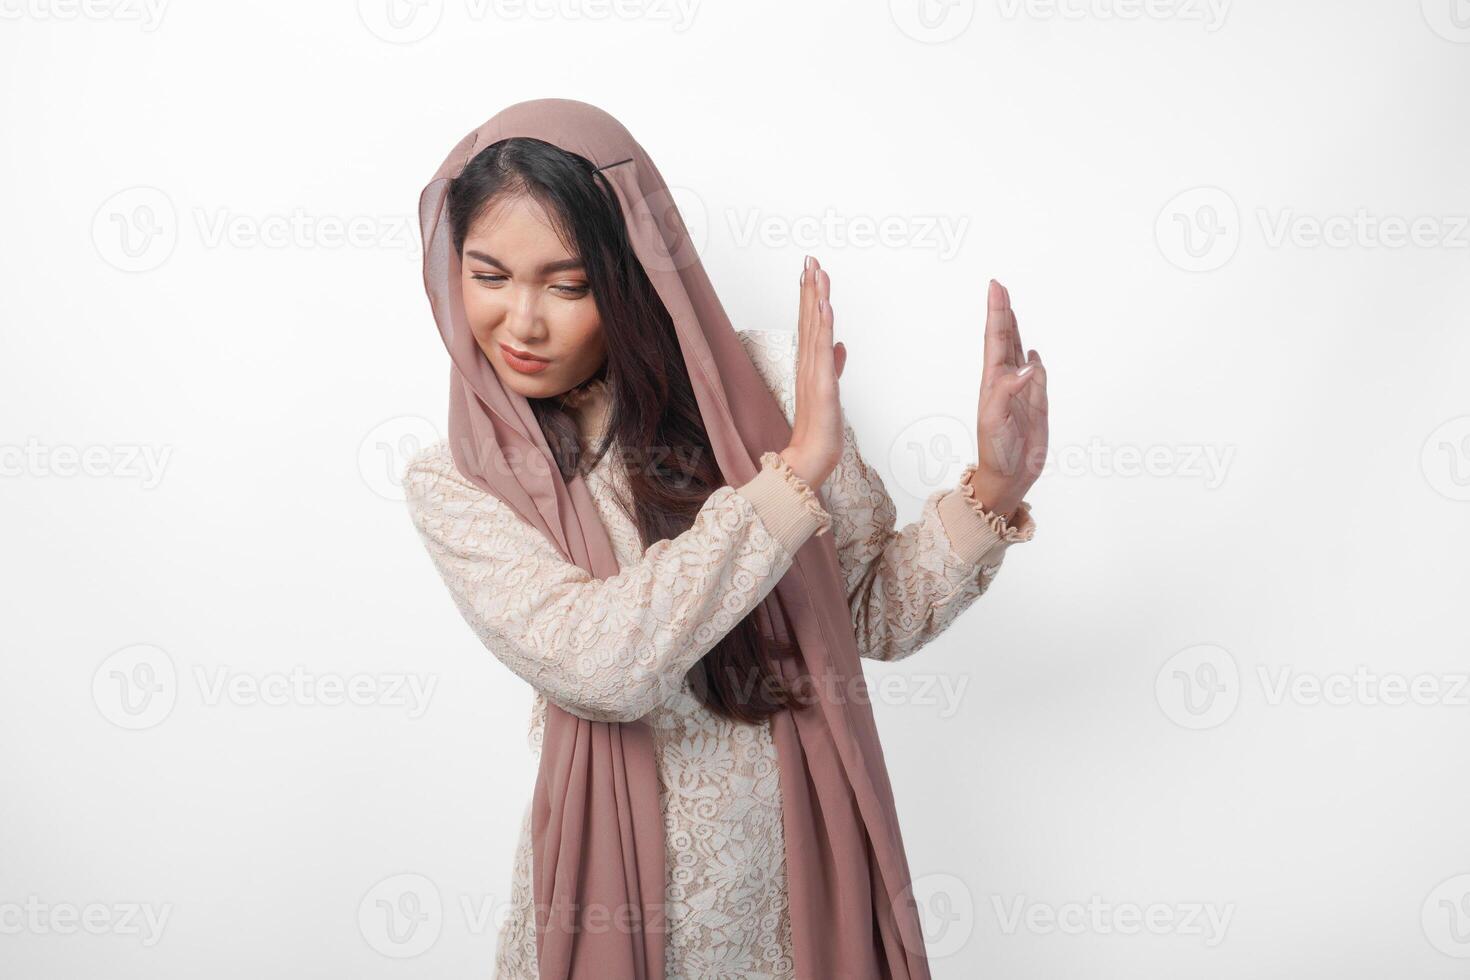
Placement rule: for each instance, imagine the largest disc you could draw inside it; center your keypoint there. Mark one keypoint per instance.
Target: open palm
(1011, 424)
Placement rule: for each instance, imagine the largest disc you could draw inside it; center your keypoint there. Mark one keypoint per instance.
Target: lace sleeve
(906, 586)
(606, 649)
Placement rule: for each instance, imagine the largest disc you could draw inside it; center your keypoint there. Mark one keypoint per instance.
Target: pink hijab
(597, 827)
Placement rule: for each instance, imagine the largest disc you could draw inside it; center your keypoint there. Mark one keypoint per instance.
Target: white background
(1130, 178)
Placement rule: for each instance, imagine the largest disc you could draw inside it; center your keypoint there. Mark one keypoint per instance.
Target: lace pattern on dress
(598, 646)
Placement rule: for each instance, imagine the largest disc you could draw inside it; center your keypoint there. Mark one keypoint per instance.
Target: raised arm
(904, 586)
(608, 649)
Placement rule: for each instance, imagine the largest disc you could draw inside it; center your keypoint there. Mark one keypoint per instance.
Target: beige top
(618, 649)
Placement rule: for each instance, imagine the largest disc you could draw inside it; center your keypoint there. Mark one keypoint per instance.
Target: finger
(821, 344)
(825, 371)
(1012, 391)
(826, 355)
(997, 346)
(1035, 392)
(1017, 351)
(1017, 381)
(806, 303)
(1013, 332)
(1036, 432)
(815, 276)
(806, 320)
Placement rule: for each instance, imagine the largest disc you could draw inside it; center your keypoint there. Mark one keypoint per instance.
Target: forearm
(609, 649)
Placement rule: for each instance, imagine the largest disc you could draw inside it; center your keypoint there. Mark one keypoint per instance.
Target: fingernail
(1025, 371)
(806, 263)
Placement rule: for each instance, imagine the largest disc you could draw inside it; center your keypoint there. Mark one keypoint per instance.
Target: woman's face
(525, 293)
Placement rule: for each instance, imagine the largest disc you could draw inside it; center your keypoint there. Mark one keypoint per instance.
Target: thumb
(1013, 383)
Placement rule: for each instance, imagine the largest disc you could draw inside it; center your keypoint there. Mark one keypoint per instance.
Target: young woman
(664, 526)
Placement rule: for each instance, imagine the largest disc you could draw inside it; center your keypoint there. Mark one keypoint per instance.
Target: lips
(524, 363)
(522, 356)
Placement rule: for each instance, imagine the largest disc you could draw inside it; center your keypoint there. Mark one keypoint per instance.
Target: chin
(531, 386)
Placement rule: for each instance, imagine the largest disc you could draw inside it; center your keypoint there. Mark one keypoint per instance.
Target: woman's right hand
(816, 431)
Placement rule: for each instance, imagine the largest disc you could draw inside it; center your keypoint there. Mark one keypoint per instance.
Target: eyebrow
(560, 265)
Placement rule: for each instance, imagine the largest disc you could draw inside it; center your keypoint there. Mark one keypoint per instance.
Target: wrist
(801, 467)
(994, 497)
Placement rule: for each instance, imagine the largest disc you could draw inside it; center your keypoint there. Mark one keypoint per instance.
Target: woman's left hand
(1011, 427)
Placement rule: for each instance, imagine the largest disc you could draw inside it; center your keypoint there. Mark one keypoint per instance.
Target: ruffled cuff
(975, 531)
(787, 505)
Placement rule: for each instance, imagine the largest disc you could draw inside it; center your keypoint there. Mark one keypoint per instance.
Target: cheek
(479, 302)
(484, 310)
(582, 328)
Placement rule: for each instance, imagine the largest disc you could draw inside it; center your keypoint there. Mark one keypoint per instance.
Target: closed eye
(494, 279)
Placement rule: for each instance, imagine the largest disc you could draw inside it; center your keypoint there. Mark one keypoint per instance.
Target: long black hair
(654, 418)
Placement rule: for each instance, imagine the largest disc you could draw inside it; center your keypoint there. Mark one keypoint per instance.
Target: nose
(523, 319)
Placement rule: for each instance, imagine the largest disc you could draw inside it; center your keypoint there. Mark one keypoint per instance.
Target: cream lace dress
(617, 649)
